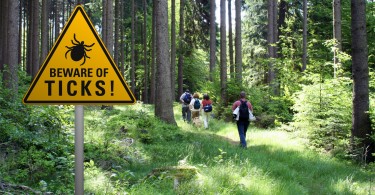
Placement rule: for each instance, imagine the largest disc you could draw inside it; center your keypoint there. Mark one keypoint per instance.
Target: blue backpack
(187, 98)
(207, 108)
(197, 104)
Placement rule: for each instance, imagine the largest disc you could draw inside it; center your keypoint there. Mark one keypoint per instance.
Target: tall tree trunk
(153, 44)
(19, 35)
(44, 33)
(104, 22)
(173, 47)
(107, 31)
(271, 39)
(35, 37)
(122, 41)
(132, 46)
(109, 28)
(145, 93)
(223, 55)
(304, 49)
(117, 32)
(10, 74)
(238, 42)
(361, 128)
(181, 49)
(57, 18)
(283, 9)
(24, 39)
(336, 34)
(3, 32)
(230, 39)
(136, 54)
(29, 48)
(212, 39)
(164, 102)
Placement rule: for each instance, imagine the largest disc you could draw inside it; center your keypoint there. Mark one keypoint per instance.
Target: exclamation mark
(112, 88)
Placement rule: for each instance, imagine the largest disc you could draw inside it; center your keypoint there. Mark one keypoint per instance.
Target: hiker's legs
(195, 114)
(185, 113)
(188, 117)
(241, 133)
(205, 119)
(246, 125)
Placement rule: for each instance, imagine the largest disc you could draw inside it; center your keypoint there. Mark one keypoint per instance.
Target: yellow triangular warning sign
(79, 69)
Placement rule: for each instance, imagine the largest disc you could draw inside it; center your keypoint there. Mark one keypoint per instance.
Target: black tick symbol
(78, 51)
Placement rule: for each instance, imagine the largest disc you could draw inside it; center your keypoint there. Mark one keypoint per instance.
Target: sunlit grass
(275, 162)
(97, 180)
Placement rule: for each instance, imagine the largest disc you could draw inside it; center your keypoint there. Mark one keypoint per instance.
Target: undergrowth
(127, 150)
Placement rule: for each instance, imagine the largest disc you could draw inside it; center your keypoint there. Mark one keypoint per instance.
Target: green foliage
(370, 19)
(35, 142)
(323, 111)
(270, 111)
(195, 70)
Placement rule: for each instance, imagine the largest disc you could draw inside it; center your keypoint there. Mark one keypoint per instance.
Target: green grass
(275, 162)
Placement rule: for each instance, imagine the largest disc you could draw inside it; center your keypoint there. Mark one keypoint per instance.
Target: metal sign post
(78, 149)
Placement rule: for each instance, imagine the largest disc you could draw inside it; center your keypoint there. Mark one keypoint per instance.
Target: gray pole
(78, 146)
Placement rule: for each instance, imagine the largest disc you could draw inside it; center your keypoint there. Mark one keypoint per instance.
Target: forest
(307, 67)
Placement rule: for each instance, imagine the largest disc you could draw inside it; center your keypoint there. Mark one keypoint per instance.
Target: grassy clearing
(275, 162)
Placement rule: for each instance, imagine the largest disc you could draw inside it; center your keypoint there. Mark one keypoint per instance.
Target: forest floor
(275, 162)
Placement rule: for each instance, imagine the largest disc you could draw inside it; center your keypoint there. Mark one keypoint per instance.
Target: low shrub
(324, 111)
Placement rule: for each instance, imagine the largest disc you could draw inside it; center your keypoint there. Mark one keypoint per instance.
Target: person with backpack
(185, 101)
(207, 109)
(242, 117)
(195, 106)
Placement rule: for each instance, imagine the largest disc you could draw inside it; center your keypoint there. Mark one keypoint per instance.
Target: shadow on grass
(294, 171)
(303, 172)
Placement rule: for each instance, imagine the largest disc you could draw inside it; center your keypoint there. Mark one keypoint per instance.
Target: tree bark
(181, 49)
(19, 34)
(230, 39)
(271, 39)
(223, 55)
(238, 43)
(283, 9)
(104, 22)
(145, 93)
(109, 28)
(173, 47)
(361, 124)
(57, 19)
(3, 32)
(35, 37)
(336, 34)
(164, 103)
(44, 33)
(132, 46)
(122, 41)
(212, 39)
(10, 77)
(29, 49)
(117, 31)
(153, 44)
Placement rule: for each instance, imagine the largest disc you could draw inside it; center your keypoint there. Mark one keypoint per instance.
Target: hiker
(195, 106)
(207, 109)
(185, 101)
(242, 117)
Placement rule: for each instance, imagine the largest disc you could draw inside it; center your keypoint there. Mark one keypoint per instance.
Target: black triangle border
(77, 102)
